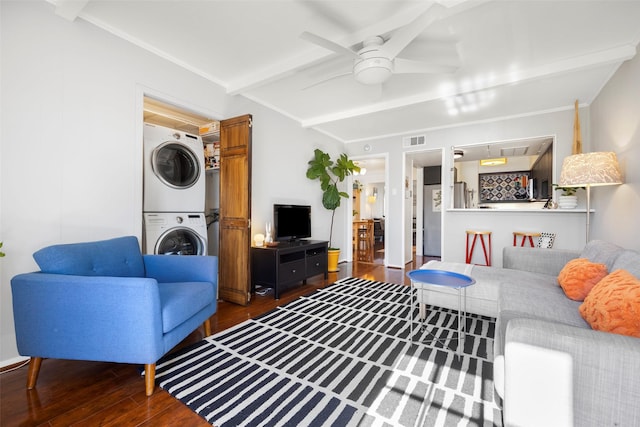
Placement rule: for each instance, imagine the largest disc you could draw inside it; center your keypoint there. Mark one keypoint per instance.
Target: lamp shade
(590, 169)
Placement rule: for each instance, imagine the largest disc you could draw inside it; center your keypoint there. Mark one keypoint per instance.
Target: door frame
(143, 91)
(348, 229)
(409, 155)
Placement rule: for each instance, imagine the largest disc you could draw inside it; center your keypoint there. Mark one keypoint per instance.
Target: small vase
(567, 202)
(268, 238)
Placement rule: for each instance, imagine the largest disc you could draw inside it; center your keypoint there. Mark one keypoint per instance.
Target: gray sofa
(550, 367)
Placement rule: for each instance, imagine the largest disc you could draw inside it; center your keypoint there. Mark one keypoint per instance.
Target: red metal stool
(524, 235)
(469, 251)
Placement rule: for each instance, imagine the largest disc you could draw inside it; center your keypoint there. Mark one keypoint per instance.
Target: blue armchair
(105, 301)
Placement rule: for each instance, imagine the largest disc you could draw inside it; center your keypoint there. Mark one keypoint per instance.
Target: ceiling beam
(276, 72)
(70, 9)
(606, 57)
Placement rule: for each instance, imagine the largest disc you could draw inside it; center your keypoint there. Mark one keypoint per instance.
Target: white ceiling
(516, 57)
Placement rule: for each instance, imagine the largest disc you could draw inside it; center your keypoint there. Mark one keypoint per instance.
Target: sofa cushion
(119, 257)
(628, 260)
(182, 300)
(603, 252)
(541, 299)
(613, 305)
(579, 276)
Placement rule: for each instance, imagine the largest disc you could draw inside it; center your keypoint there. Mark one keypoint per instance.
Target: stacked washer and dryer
(174, 221)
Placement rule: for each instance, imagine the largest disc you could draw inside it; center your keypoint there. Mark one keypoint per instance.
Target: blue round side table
(442, 278)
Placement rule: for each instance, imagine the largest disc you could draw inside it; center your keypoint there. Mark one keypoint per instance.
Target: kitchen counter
(569, 226)
(527, 210)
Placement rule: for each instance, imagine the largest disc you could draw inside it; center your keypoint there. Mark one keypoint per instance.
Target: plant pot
(333, 255)
(567, 202)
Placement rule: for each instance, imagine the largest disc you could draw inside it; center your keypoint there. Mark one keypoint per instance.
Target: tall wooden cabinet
(234, 269)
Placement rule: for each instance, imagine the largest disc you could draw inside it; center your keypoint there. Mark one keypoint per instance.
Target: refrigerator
(460, 195)
(432, 229)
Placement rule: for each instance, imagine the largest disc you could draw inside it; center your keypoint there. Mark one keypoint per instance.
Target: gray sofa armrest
(580, 376)
(536, 260)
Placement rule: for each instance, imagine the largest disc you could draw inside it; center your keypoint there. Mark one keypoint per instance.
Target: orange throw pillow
(579, 276)
(613, 305)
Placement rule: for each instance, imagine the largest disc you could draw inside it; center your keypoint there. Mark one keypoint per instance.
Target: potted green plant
(330, 174)
(568, 199)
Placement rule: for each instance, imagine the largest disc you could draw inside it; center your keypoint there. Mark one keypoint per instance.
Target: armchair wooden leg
(207, 327)
(150, 378)
(34, 370)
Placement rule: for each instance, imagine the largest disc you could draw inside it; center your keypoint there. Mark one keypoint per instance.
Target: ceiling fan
(377, 60)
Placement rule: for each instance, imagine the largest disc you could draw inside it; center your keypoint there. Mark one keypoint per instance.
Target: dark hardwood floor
(79, 393)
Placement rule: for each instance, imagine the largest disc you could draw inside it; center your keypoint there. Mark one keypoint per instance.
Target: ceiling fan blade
(407, 66)
(328, 44)
(405, 35)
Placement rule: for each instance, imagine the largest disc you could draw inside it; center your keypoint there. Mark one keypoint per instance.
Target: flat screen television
(291, 222)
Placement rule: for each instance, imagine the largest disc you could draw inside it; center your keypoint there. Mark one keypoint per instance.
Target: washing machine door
(180, 241)
(176, 165)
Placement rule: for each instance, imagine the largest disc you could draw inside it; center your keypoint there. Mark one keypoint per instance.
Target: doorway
(172, 116)
(369, 210)
(225, 153)
(423, 222)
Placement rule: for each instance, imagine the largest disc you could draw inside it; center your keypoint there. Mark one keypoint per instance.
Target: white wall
(72, 140)
(615, 126)
(559, 124)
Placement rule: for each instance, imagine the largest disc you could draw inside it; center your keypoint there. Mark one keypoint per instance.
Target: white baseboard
(12, 361)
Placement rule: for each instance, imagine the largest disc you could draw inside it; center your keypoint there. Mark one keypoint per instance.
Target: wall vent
(514, 151)
(412, 141)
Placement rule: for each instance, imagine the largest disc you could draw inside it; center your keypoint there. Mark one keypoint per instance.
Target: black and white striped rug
(340, 356)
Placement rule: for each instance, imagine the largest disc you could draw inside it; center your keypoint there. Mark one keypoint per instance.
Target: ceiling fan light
(493, 162)
(372, 71)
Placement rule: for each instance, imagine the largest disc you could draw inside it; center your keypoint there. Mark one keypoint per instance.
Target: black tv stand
(294, 242)
(288, 263)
